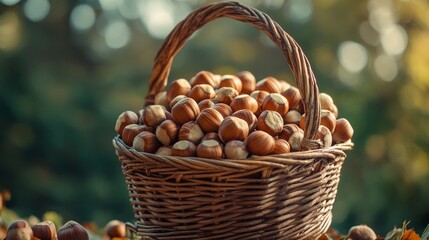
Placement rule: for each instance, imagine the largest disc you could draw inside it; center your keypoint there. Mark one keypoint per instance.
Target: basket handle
(298, 62)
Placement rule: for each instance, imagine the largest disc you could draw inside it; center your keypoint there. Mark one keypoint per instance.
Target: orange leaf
(410, 235)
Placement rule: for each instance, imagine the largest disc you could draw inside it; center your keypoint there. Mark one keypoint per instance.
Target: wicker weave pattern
(288, 196)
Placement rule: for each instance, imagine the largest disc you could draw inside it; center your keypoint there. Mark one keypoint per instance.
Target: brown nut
(191, 131)
(269, 84)
(259, 96)
(206, 103)
(231, 81)
(224, 109)
(293, 96)
(130, 132)
(209, 149)
(126, 118)
(167, 132)
(270, 122)
(203, 77)
(233, 128)
(225, 95)
(248, 81)
(284, 85)
(324, 135)
(115, 229)
(146, 142)
(247, 116)
(244, 101)
(260, 143)
(293, 135)
(326, 102)
(201, 92)
(281, 146)
(236, 149)
(72, 231)
(184, 148)
(19, 230)
(211, 136)
(176, 100)
(161, 99)
(343, 131)
(361, 232)
(327, 119)
(275, 102)
(209, 120)
(153, 115)
(293, 116)
(45, 231)
(164, 151)
(178, 87)
(185, 110)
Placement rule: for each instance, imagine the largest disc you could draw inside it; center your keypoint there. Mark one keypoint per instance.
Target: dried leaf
(395, 234)
(410, 235)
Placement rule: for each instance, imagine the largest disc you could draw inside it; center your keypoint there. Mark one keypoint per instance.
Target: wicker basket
(287, 196)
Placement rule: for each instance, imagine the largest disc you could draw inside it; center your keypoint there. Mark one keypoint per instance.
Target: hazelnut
(326, 102)
(19, 230)
(130, 132)
(185, 110)
(259, 96)
(225, 95)
(281, 146)
(115, 229)
(325, 135)
(209, 120)
(45, 231)
(284, 86)
(231, 81)
(223, 109)
(126, 118)
(269, 84)
(72, 231)
(343, 131)
(184, 148)
(233, 128)
(206, 103)
(203, 77)
(327, 119)
(209, 149)
(293, 135)
(191, 131)
(236, 149)
(161, 99)
(176, 100)
(361, 232)
(293, 116)
(293, 96)
(178, 87)
(260, 143)
(164, 151)
(248, 82)
(167, 132)
(153, 115)
(201, 92)
(211, 136)
(247, 116)
(270, 122)
(275, 102)
(244, 101)
(146, 142)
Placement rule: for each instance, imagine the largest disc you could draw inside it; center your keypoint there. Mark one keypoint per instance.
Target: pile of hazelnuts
(227, 116)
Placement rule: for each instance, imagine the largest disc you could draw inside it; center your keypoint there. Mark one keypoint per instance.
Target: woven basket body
(287, 196)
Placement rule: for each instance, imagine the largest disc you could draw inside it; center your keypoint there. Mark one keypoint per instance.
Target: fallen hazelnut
(203, 77)
(184, 148)
(361, 232)
(247, 116)
(72, 231)
(248, 81)
(146, 142)
(167, 132)
(201, 92)
(185, 110)
(231, 81)
(19, 230)
(126, 118)
(275, 102)
(281, 146)
(233, 128)
(115, 229)
(178, 87)
(209, 149)
(244, 101)
(209, 120)
(236, 149)
(260, 143)
(270, 122)
(225, 95)
(269, 84)
(45, 231)
(191, 131)
(224, 109)
(343, 131)
(154, 115)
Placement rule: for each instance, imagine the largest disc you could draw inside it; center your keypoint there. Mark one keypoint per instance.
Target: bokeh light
(110, 5)
(352, 56)
(394, 40)
(9, 2)
(299, 11)
(82, 17)
(157, 16)
(386, 67)
(117, 34)
(36, 10)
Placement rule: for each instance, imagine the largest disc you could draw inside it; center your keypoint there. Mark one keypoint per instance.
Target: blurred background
(69, 68)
